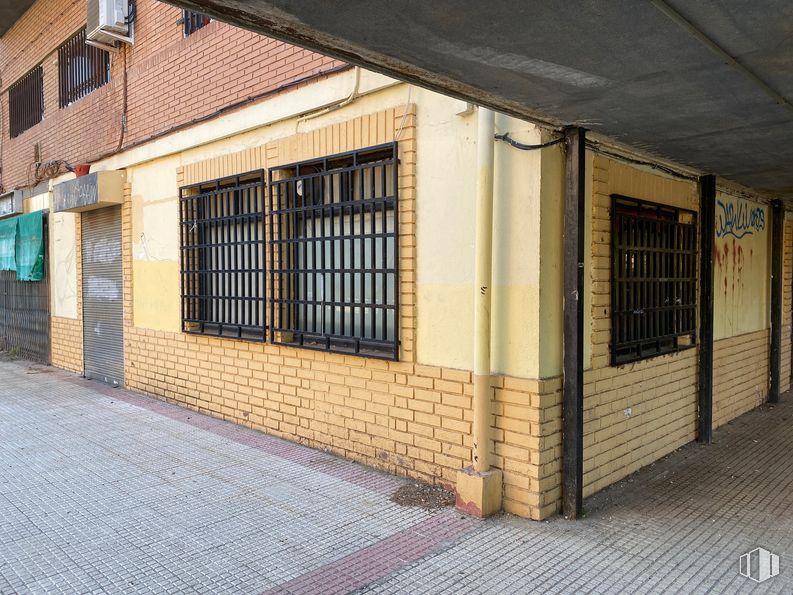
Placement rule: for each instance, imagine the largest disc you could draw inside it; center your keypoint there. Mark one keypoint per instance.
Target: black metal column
(707, 213)
(777, 251)
(573, 390)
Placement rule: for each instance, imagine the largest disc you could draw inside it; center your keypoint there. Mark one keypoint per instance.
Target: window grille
(82, 68)
(333, 235)
(223, 258)
(654, 279)
(26, 101)
(193, 21)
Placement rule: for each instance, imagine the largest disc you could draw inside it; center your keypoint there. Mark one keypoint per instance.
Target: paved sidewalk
(102, 490)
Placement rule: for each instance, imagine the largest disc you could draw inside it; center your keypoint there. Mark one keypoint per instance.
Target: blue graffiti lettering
(739, 219)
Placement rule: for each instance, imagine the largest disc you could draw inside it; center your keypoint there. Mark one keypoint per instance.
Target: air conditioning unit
(107, 23)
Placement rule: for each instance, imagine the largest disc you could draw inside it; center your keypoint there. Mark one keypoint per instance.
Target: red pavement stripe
(377, 561)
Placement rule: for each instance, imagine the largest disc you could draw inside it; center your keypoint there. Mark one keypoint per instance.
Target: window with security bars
(82, 68)
(193, 21)
(223, 257)
(26, 101)
(333, 234)
(654, 279)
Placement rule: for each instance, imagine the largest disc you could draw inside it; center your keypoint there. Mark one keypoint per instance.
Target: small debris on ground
(423, 495)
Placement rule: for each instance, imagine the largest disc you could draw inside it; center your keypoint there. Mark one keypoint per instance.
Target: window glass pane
(339, 217)
(223, 257)
(653, 279)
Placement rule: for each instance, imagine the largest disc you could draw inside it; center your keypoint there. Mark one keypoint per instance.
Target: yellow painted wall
(445, 188)
(551, 254)
(155, 245)
(445, 191)
(63, 264)
(516, 253)
(741, 261)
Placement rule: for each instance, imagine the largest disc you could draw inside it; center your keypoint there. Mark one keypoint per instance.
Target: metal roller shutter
(103, 328)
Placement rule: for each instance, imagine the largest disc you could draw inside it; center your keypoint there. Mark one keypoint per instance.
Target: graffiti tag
(738, 219)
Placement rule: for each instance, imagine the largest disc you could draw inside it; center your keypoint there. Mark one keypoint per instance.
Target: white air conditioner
(106, 23)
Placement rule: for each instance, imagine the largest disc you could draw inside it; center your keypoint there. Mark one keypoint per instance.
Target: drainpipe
(483, 272)
(479, 487)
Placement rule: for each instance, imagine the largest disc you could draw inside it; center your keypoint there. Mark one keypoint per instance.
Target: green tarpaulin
(30, 247)
(8, 239)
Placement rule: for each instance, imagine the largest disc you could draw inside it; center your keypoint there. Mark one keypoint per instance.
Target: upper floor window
(26, 101)
(193, 21)
(82, 68)
(653, 279)
(333, 253)
(223, 259)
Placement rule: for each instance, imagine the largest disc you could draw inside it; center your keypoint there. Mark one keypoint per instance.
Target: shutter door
(103, 327)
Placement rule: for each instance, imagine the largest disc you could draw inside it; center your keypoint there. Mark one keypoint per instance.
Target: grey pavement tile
(101, 495)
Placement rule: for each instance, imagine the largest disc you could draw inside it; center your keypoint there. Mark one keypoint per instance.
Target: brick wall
(402, 417)
(170, 81)
(740, 375)
(661, 392)
(67, 343)
(787, 308)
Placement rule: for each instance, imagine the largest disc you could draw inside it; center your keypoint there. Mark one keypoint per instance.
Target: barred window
(223, 258)
(193, 21)
(26, 101)
(82, 68)
(333, 235)
(653, 281)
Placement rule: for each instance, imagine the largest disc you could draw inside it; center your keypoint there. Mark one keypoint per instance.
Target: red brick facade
(171, 80)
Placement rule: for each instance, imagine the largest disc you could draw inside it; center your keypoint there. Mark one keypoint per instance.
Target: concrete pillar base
(479, 494)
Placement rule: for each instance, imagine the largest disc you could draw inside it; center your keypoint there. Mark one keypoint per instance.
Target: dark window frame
(82, 69)
(193, 21)
(654, 293)
(343, 195)
(26, 101)
(223, 260)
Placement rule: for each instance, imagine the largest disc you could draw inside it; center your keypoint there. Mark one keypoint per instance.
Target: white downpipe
(483, 248)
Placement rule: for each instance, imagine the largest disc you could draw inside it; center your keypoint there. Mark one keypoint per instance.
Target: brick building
(276, 238)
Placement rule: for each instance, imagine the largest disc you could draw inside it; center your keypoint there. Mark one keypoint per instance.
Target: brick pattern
(787, 308)
(171, 81)
(740, 375)
(403, 417)
(67, 344)
(66, 334)
(661, 393)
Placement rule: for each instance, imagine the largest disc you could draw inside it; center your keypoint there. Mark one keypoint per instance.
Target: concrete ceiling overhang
(706, 84)
(10, 11)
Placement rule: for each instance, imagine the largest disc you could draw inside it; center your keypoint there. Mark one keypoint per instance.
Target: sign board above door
(93, 191)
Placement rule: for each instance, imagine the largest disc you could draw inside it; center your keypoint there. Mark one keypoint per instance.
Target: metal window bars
(653, 279)
(223, 257)
(333, 253)
(81, 69)
(26, 101)
(193, 21)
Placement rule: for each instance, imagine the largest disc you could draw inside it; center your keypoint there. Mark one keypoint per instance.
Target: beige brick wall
(787, 308)
(740, 375)
(661, 392)
(403, 417)
(66, 342)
